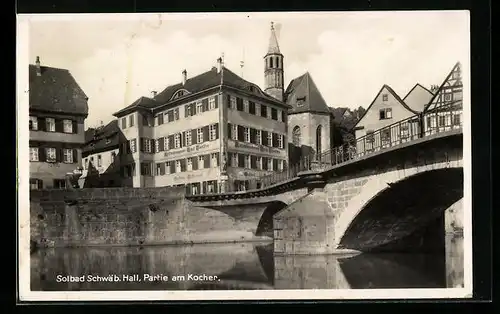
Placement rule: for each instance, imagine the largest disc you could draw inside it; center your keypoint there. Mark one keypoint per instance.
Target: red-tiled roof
(303, 95)
(198, 84)
(56, 90)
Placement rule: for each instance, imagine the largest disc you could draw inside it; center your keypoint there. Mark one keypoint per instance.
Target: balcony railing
(444, 118)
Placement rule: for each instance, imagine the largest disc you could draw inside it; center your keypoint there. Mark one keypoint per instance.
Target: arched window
(296, 136)
(318, 139)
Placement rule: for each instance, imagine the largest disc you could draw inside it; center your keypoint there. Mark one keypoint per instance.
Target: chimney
(38, 69)
(219, 65)
(184, 77)
(153, 94)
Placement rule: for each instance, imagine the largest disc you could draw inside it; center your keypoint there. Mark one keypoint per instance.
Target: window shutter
(183, 165)
(75, 156)
(216, 98)
(206, 161)
(217, 159)
(253, 162)
(275, 140)
(194, 162)
(204, 186)
(264, 138)
(41, 154)
(170, 141)
(141, 144)
(160, 119)
(161, 144)
(284, 143)
(186, 110)
(75, 126)
(194, 137)
(205, 133)
(59, 153)
(172, 167)
(217, 131)
(183, 139)
(41, 124)
(264, 163)
(162, 168)
(229, 131)
(39, 183)
(228, 100)
(204, 104)
(253, 137)
(153, 146)
(59, 125)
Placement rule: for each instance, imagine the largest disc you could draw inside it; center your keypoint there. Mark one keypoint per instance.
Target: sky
(118, 58)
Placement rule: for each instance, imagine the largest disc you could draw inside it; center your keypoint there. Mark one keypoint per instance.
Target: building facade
(57, 112)
(212, 133)
(101, 158)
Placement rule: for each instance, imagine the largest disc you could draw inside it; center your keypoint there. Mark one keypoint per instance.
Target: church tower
(273, 68)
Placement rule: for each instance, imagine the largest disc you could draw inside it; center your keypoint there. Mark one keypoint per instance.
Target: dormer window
(301, 101)
(179, 93)
(108, 140)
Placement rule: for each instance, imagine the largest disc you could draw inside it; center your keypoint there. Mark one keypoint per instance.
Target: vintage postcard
(244, 156)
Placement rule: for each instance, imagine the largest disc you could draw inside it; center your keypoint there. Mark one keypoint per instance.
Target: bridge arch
(395, 204)
(265, 225)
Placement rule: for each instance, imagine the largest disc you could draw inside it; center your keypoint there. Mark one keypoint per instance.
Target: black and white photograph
(244, 156)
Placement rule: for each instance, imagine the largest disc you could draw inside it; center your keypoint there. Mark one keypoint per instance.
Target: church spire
(274, 48)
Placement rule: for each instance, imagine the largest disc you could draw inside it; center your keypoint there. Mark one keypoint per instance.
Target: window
(456, 119)
(246, 134)
(147, 145)
(188, 138)
(99, 161)
(113, 156)
(251, 107)
(301, 101)
(259, 162)
(385, 113)
(50, 124)
(108, 140)
(176, 114)
(269, 163)
(270, 139)
(245, 105)
(133, 146)
(448, 97)
(234, 160)
(258, 135)
(189, 164)
(199, 136)
(274, 114)
(199, 107)
(177, 166)
(257, 109)
(67, 126)
(124, 123)
(36, 184)
(68, 155)
(33, 123)
(177, 140)
(214, 159)
(146, 169)
(296, 136)
(167, 167)
(211, 103)
(232, 102)
(280, 165)
(33, 153)
(213, 132)
(318, 139)
(201, 162)
(263, 111)
(280, 140)
(131, 120)
(385, 97)
(50, 154)
(247, 161)
(442, 120)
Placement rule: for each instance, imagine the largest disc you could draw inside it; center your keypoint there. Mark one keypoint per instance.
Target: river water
(242, 266)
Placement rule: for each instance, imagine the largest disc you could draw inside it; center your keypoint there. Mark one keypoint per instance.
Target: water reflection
(239, 266)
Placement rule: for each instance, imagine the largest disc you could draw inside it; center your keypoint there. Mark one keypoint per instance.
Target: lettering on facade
(187, 177)
(190, 149)
(257, 148)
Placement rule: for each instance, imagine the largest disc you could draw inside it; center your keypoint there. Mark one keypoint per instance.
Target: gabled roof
(96, 139)
(55, 90)
(418, 97)
(196, 84)
(394, 94)
(452, 80)
(274, 47)
(303, 95)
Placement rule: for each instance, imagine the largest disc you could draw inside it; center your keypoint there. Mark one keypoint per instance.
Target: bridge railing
(442, 118)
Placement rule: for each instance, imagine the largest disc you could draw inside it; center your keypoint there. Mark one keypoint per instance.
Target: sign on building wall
(254, 148)
(191, 150)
